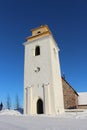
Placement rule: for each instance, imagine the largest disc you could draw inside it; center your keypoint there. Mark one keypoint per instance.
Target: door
(39, 106)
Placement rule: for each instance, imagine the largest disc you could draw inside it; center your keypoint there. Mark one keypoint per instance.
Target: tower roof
(39, 32)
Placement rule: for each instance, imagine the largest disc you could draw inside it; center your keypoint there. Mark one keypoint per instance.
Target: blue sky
(67, 20)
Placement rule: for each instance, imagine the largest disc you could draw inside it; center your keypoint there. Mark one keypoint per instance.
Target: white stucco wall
(43, 61)
(57, 83)
(47, 82)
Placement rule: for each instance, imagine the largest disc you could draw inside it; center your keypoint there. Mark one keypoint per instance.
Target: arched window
(37, 51)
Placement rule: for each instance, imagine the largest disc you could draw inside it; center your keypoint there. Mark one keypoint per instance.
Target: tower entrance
(39, 106)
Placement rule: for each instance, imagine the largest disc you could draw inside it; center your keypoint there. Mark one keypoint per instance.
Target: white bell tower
(42, 78)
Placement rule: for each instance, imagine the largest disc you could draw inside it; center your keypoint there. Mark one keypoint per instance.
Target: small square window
(39, 32)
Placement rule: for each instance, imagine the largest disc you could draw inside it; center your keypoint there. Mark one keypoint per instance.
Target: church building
(43, 91)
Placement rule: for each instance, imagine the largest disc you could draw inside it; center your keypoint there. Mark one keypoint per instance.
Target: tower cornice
(37, 36)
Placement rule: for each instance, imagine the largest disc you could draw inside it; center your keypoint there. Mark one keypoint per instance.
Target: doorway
(39, 106)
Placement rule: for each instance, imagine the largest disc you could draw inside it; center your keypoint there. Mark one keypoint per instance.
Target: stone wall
(70, 96)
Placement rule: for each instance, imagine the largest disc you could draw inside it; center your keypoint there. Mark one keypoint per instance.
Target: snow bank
(66, 121)
(74, 115)
(10, 112)
(70, 115)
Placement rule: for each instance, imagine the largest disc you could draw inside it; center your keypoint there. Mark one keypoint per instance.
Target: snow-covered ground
(13, 120)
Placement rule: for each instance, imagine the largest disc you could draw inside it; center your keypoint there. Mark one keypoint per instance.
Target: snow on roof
(82, 99)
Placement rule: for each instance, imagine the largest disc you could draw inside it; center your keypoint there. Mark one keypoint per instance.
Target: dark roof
(70, 86)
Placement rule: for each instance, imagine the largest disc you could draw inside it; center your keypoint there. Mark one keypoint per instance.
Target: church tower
(43, 92)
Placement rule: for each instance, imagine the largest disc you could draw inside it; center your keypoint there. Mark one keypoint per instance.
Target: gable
(68, 85)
